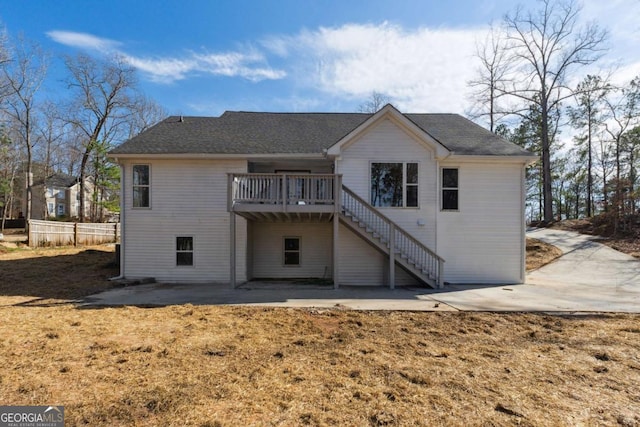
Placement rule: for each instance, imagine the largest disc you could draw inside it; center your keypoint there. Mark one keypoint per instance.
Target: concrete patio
(589, 277)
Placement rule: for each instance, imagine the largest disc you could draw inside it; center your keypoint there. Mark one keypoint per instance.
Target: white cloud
(421, 70)
(83, 41)
(249, 65)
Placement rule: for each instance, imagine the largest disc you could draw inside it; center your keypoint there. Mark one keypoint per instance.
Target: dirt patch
(540, 253)
(219, 366)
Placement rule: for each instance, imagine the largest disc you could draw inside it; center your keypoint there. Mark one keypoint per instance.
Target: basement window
(292, 251)
(184, 250)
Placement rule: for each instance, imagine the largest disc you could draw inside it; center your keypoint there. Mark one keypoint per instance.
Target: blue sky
(199, 57)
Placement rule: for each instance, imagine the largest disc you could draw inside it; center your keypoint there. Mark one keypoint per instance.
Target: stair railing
(405, 245)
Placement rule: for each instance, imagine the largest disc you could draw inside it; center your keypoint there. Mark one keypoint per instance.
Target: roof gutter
(214, 156)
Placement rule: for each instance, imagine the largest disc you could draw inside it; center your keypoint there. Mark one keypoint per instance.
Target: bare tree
(24, 76)
(545, 46)
(623, 110)
(50, 134)
(587, 116)
(492, 76)
(104, 93)
(145, 113)
(4, 61)
(375, 102)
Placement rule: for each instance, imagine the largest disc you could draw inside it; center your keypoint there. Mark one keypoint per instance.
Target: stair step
(425, 270)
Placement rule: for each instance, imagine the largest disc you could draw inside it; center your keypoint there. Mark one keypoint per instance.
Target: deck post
(337, 198)
(440, 274)
(230, 192)
(232, 249)
(392, 256)
(336, 257)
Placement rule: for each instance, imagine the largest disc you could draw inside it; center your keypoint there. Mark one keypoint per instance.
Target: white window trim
(133, 186)
(443, 188)
(176, 251)
(284, 251)
(404, 184)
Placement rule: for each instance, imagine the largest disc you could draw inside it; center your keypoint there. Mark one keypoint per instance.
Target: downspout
(523, 224)
(122, 221)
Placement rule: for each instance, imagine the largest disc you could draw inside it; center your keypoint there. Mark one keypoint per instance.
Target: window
(141, 186)
(50, 208)
(60, 209)
(394, 185)
(449, 189)
(291, 251)
(184, 250)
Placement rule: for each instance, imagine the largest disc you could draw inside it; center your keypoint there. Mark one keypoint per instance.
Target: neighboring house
(320, 195)
(59, 197)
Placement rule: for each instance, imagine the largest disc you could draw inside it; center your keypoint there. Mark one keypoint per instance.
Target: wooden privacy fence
(53, 233)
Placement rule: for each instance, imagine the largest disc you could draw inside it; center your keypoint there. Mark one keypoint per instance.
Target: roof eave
(213, 156)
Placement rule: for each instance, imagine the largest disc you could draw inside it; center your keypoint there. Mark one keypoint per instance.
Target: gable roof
(299, 133)
(59, 180)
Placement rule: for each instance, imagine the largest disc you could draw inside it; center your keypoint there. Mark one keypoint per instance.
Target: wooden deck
(284, 197)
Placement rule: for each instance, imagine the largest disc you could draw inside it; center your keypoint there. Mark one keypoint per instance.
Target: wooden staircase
(389, 238)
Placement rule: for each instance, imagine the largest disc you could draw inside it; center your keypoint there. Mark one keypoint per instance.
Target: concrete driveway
(589, 277)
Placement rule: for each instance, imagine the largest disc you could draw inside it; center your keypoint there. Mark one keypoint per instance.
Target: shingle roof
(298, 133)
(464, 137)
(59, 180)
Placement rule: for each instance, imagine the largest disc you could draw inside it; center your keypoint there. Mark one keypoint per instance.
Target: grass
(228, 366)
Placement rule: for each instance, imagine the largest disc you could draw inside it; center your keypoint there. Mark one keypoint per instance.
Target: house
(58, 196)
(320, 195)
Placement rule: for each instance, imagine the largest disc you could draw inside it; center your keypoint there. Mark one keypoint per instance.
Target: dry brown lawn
(540, 253)
(240, 366)
(39, 275)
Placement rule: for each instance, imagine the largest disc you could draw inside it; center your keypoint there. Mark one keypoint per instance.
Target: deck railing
(279, 188)
(426, 261)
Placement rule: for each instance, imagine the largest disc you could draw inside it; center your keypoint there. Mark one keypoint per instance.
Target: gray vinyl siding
(315, 250)
(482, 242)
(188, 198)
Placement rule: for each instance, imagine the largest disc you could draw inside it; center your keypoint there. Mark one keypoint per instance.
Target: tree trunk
(589, 167)
(83, 167)
(546, 165)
